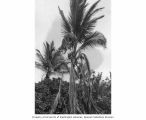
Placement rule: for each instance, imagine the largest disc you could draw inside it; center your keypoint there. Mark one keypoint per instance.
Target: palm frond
(89, 22)
(40, 56)
(77, 10)
(96, 39)
(50, 60)
(90, 12)
(92, 22)
(40, 66)
(84, 67)
(87, 63)
(95, 11)
(46, 51)
(93, 35)
(66, 25)
(90, 25)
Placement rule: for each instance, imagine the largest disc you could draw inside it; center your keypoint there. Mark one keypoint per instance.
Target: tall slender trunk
(72, 92)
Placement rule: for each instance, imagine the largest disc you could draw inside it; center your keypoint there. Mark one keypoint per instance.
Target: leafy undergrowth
(46, 91)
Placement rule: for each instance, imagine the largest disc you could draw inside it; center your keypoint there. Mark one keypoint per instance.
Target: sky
(48, 28)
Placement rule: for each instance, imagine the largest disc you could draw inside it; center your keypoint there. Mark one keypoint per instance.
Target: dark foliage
(46, 90)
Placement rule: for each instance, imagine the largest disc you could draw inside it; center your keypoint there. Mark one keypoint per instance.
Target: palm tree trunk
(56, 101)
(72, 92)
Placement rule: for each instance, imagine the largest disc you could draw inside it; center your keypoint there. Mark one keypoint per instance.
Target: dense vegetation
(46, 91)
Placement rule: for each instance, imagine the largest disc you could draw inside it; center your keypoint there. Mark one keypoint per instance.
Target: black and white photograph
(73, 74)
(72, 59)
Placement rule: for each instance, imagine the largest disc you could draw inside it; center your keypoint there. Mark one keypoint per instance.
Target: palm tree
(79, 34)
(52, 61)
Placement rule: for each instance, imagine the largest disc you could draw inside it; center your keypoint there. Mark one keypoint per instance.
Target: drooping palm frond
(95, 39)
(87, 64)
(84, 66)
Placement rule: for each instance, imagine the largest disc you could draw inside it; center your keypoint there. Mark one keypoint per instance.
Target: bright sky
(48, 28)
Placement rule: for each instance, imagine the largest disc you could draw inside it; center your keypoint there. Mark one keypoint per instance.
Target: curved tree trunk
(56, 101)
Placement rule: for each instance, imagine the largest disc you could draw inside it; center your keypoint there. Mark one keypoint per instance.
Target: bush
(46, 90)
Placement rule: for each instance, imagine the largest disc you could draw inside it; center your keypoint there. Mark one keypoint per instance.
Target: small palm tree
(79, 34)
(52, 61)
